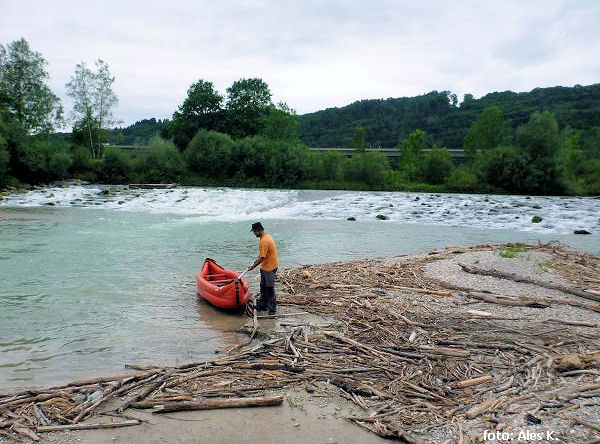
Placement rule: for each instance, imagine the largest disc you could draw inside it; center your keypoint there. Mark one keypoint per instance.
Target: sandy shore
(426, 349)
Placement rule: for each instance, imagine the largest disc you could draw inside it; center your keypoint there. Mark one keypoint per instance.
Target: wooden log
(421, 290)
(109, 425)
(515, 277)
(142, 394)
(508, 300)
(445, 351)
(475, 381)
(38, 398)
(39, 414)
(22, 430)
(107, 394)
(126, 376)
(266, 366)
(589, 425)
(576, 361)
(483, 407)
(208, 404)
(574, 323)
(151, 403)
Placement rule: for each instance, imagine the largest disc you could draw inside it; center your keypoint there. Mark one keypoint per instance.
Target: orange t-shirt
(267, 250)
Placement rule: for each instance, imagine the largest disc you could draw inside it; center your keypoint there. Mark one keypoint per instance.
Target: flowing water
(92, 278)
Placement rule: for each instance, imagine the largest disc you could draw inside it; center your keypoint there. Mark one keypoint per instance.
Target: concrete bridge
(457, 154)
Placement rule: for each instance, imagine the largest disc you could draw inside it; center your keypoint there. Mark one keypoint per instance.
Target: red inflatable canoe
(221, 287)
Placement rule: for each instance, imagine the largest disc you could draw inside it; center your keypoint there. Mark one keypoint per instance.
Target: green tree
(202, 108)
(115, 167)
(538, 141)
(87, 132)
(507, 169)
(23, 89)
(331, 165)
(281, 123)
(463, 179)
(358, 139)
(163, 162)
(81, 160)
(368, 168)
(411, 153)
(490, 130)
(4, 158)
(248, 102)
(209, 153)
(17, 145)
(437, 166)
(93, 99)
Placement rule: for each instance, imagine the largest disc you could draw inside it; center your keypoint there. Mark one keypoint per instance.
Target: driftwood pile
(395, 344)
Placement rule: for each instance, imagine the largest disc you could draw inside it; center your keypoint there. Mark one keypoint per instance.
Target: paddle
(241, 274)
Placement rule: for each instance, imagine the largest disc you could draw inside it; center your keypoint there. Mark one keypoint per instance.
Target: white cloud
(313, 54)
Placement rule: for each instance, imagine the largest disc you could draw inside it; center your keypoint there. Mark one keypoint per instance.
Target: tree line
(241, 138)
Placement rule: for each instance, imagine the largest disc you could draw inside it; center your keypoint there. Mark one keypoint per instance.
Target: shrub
(437, 166)
(163, 162)
(463, 179)
(115, 166)
(210, 153)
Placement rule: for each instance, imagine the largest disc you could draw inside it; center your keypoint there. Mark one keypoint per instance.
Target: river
(90, 281)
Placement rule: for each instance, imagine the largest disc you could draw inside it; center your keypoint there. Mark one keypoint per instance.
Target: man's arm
(256, 263)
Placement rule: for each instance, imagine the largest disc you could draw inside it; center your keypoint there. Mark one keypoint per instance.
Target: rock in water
(351, 218)
(581, 232)
(382, 217)
(536, 219)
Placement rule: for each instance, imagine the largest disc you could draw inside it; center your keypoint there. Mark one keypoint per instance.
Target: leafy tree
(506, 169)
(115, 167)
(490, 130)
(248, 102)
(538, 140)
(463, 179)
(93, 99)
(368, 168)
(358, 139)
(59, 161)
(202, 108)
(281, 123)
(23, 89)
(437, 166)
(4, 158)
(87, 131)
(287, 163)
(81, 160)
(331, 165)
(17, 144)
(210, 153)
(411, 153)
(163, 162)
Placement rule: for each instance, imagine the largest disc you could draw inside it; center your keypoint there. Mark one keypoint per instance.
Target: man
(268, 260)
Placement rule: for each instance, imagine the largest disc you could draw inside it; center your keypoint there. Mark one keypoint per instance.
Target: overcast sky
(313, 54)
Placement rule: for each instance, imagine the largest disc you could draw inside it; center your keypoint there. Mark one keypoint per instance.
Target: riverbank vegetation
(543, 142)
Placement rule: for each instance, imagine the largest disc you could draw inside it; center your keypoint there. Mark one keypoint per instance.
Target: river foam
(559, 215)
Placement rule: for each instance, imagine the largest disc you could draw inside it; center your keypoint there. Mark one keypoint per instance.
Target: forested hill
(388, 121)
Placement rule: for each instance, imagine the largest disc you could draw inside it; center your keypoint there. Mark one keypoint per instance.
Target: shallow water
(95, 281)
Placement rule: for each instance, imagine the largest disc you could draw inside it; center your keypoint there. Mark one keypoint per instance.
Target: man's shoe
(272, 313)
